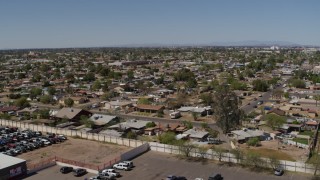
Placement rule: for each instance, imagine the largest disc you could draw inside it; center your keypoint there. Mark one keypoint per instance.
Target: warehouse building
(11, 167)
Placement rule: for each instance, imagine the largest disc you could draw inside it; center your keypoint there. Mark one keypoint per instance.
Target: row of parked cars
(112, 173)
(14, 141)
(106, 174)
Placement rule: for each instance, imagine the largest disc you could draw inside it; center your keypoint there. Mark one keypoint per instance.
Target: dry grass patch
(263, 152)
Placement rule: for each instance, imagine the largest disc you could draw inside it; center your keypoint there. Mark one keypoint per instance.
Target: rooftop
(7, 161)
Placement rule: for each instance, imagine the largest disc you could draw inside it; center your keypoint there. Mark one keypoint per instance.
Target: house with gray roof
(199, 110)
(243, 135)
(103, 119)
(72, 114)
(196, 134)
(133, 125)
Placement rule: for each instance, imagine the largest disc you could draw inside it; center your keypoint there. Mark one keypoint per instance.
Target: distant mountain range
(256, 43)
(236, 43)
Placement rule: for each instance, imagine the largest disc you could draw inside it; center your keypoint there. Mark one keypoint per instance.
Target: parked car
(105, 176)
(66, 169)
(215, 177)
(121, 166)
(278, 172)
(111, 172)
(79, 172)
(129, 163)
(98, 177)
(172, 177)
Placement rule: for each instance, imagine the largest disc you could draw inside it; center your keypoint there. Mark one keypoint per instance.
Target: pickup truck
(121, 166)
(104, 176)
(111, 172)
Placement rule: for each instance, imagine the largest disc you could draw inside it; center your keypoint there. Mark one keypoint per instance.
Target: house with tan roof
(149, 108)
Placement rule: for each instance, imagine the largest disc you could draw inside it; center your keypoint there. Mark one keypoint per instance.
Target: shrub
(254, 142)
(254, 160)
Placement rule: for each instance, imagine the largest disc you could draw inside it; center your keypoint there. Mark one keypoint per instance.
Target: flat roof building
(11, 167)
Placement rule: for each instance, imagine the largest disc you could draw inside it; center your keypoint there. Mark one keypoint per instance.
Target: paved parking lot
(156, 166)
(53, 173)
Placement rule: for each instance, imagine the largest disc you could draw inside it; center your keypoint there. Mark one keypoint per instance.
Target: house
(277, 111)
(27, 110)
(133, 125)
(122, 105)
(196, 134)
(244, 135)
(203, 111)
(72, 114)
(287, 128)
(149, 108)
(159, 128)
(102, 119)
(311, 125)
(76, 100)
(9, 109)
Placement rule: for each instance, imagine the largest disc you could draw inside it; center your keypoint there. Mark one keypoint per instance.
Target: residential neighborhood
(173, 97)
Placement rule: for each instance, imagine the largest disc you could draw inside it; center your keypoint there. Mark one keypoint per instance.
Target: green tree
(274, 162)
(260, 85)
(167, 138)
(188, 124)
(254, 160)
(68, 102)
(44, 113)
(131, 135)
(22, 102)
(239, 155)
(186, 148)
(150, 124)
(218, 151)
(96, 85)
(45, 99)
(51, 90)
(226, 108)
(253, 142)
(195, 116)
(86, 121)
(274, 121)
(298, 83)
(34, 92)
(204, 125)
(206, 98)
(89, 77)
(130, 74)
(143, 101)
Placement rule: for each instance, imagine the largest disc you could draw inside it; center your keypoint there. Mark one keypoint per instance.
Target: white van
(175, 115)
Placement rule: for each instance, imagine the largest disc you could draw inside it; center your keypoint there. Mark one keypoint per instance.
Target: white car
(111, 172)
(104, 176)
(128, 163)
(121, 166)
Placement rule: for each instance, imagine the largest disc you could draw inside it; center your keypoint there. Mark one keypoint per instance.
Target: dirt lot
(86, 151)
(285, 152)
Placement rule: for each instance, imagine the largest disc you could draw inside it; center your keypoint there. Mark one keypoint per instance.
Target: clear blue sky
(85, 23)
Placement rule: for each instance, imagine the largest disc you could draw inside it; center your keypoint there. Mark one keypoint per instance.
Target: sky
(98, 23)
